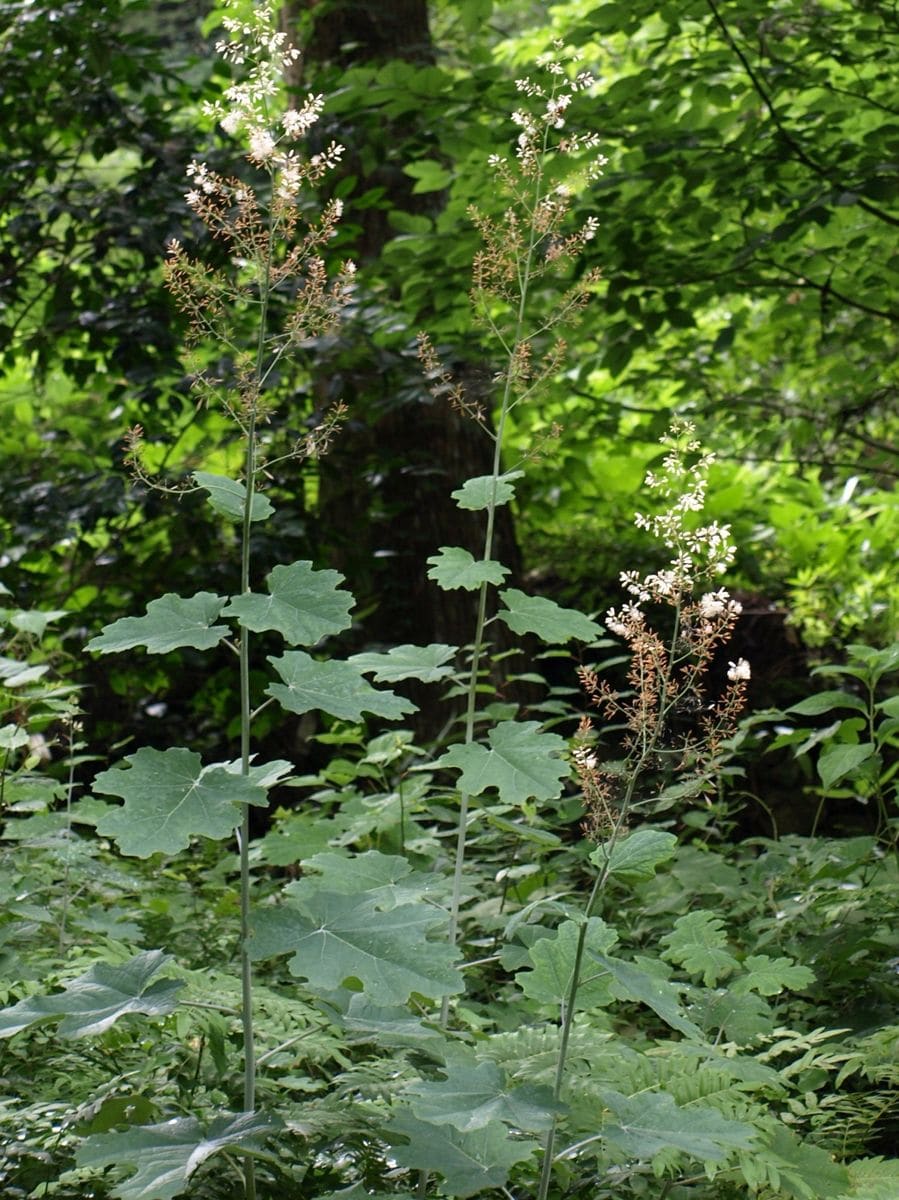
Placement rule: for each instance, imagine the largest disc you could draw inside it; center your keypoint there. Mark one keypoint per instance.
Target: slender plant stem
(246, 716)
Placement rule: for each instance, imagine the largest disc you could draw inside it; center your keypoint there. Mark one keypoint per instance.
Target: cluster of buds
(669, 720)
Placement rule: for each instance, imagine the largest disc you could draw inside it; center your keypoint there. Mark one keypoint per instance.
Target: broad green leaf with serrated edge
(303, 605)
(662, 997)
(805, 1171)
(170, 797)
(334, 938)
(228, 497)
(554, 958)
(634, 859)
(839, 761)
(522, 763)
(96, 1000)
(454, 567)
(425, 663)
(477, 493)
(388, 878)
(165, 1156)
(473, 1094)
(170, 622)
(697, 942)
(536, 614)
(469, 1162)
(769, 976)
(643, 1125)
(337, 688)
(741, 1018)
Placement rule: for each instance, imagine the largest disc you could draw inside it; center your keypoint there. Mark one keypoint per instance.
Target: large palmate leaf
(171, 797)
(165, 1156)
(170, 622)
(453, 567)
(633, 983)
(479, 492)
(536, 614)
(337, 688)
(554, 958)
(698, 942)
(304, 605)
(228, 497)
(468, 1162)
(334, 938)
(634, 859)
(643, 1125)
(97, 999)
(769, 976)
(386, 878)
(425, 663)
(474, 1094)
(522, 763)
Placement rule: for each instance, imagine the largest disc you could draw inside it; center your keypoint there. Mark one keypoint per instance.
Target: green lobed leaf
(479, 492)
(171, 797)
(536, 614)
(770, 976)
(634, 859)
(662, 997)
(337, 688)
(453, 567)
(425, 663)
(303, 605)
(474, 1094)
(697, 942)
(468, 1162)
(228, 497)
(651, 1122)
(170, 622)
(839, 761)
(97, 999)
(334, 938)
(522, 763)
(554, 958)
(165, 1156)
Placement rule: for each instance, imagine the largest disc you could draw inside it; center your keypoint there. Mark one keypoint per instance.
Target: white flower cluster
(697, 552)
(246, 105)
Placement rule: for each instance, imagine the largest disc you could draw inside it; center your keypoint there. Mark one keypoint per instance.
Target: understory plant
(473, 970)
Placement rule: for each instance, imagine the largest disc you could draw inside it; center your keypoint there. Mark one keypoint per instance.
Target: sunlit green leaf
(634, 859)
(554, 961)
(477, 493)
(334, 687)
(535, 614)
(454, 567)
(468, 1162)
(228, 497)
(475, 1093)
(425, 663)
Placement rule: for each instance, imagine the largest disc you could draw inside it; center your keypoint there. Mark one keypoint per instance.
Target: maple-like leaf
(769, 976)
(633, 983)
(477, 493)
(228, 497)
(554, 957)
(453, 567)
(634, 859)
(171, 797)
(428, 664)
(698, 942)
(166, 1155)
(170, 622)
(650, 1122)
(550, 621)
(334, 938)
(521, 763)
(474, 1094)
(97, 999)
(334, 687)
(303, 605)
(479, 1161)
